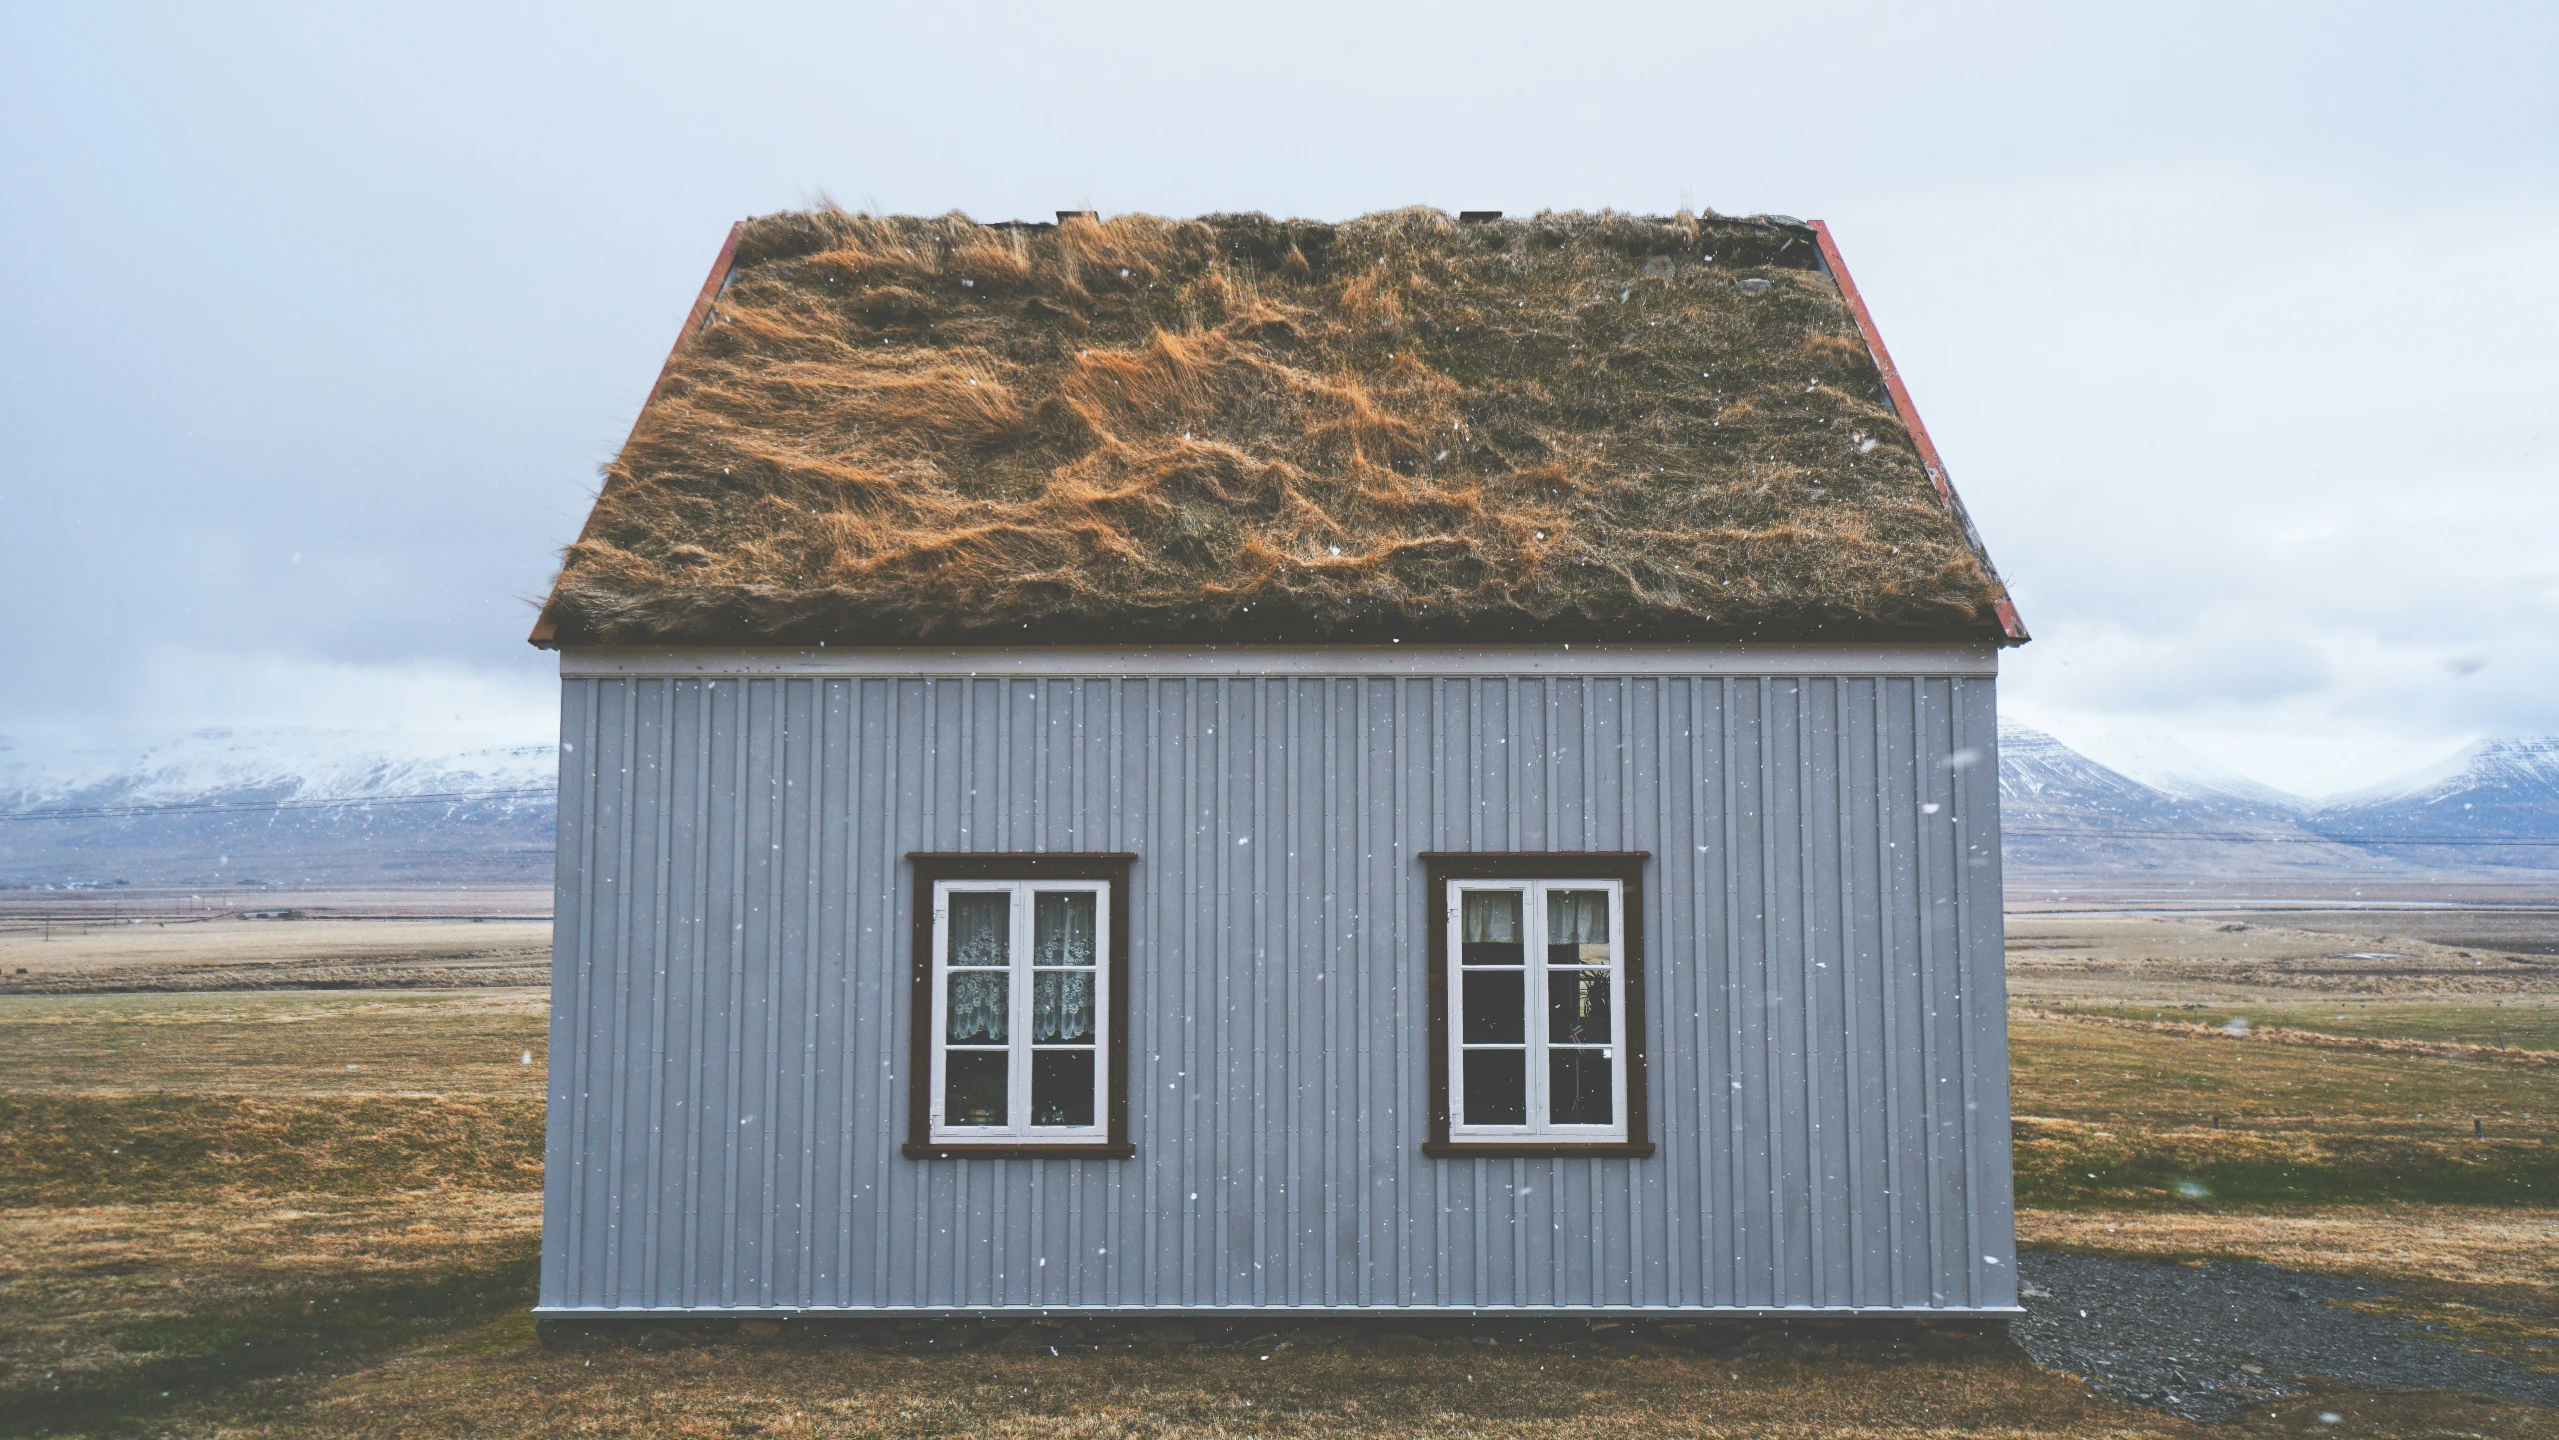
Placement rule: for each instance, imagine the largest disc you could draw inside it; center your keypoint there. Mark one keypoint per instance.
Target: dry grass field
(254, 1212)
(235, 953)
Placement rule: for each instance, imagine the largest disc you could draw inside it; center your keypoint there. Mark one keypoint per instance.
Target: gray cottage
(1413, 766)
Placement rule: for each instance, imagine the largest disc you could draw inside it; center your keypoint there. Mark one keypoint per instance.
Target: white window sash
(1017, 1020)
(1534, 972)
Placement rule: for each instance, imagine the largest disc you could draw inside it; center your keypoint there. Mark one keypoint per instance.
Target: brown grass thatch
(901, 430)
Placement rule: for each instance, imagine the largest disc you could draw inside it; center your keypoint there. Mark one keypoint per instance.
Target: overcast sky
(2235, 323)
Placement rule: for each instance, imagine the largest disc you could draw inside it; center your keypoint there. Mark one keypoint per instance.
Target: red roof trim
(545, 632)
(2014, 628)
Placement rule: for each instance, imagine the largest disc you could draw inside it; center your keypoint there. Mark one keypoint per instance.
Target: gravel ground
(2202, 1342)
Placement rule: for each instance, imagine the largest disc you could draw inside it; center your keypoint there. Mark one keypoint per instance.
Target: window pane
(981, 929)
(1496, 1008)
(1576, 927)
(1496, 1087)
(1061, 1087)
(979, 999)
(1061, 1007)
(973, 1087)
(1577, 1087)
(1491, 928)
(1577, 1007)
(1062, 927)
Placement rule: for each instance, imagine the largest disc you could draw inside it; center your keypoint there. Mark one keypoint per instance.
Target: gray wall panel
(1826, 1014)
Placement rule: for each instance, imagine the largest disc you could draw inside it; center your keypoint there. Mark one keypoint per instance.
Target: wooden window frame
(1626, 867)
(930, 869)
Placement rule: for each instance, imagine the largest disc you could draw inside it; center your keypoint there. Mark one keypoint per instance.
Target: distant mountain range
(2495, 806)
(279, 807)
(304, 807)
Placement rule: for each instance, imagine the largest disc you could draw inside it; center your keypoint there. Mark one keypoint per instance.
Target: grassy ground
(210, 1225)
(2526, 1023)
(2113, 1117)
(278, 1043)
(202, 1192)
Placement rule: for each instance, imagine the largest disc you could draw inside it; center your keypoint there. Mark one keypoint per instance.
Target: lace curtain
(981, 929)
(1061, 1008)
(978, 1002)
(1062, 928)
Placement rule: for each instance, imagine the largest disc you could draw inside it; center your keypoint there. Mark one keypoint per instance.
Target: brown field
(2082, 959)
(132, 953)
(213, 1226)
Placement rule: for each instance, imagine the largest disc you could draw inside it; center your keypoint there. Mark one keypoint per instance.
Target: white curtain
(1492, 917)
(1576, 917)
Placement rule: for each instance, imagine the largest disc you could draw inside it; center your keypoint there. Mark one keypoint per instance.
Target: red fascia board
(544, 631)
(2013, 627)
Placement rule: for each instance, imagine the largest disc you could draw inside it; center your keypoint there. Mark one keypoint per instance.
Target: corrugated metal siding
(1828, 1053)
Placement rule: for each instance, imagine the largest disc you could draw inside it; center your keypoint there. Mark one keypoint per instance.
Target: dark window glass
(1061, 1007)
(1577, 1007)
(1496, 1087)
(1061, 1087)
(1062, 930)
(1577, 1087)
(979, 1000)
(981, 929)
(1496, 1007)
(973, 1087)
(1490, 928)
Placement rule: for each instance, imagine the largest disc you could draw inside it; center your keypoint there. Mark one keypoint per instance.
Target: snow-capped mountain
(270, 764)
(2496, 802)
(275, 806)
(2064, 814)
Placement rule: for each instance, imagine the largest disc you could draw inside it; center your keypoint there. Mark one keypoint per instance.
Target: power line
(104, 812)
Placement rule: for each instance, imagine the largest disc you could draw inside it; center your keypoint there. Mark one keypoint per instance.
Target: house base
(1722, 1331)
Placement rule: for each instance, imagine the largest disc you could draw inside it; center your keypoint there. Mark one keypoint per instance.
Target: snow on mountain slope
(276, 806)
(275, 765)
(2039, 775)
(2064, 814)
(2496, 802)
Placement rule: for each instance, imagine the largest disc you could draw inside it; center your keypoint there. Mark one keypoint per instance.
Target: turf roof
(1572, 427)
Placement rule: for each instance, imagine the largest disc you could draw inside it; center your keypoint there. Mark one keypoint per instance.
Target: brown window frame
(933, 866)
(1626, 867)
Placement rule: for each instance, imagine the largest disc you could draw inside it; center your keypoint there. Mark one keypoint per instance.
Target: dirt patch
(2509, 1255)
(2206, 1339)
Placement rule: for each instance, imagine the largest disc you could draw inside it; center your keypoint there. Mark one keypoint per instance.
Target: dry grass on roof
(903, 430)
